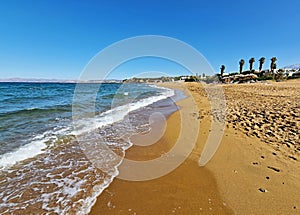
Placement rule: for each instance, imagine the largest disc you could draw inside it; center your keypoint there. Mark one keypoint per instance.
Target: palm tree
(222, 70)
(251, 61)
(261, 62)
(273, 64)
(242, 62)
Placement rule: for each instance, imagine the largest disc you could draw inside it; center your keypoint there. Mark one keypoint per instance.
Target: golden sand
(188, 189)
(248, 174)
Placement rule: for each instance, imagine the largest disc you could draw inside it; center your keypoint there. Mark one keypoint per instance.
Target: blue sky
(56, 39)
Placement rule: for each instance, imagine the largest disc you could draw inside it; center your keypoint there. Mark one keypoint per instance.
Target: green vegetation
(222, 70)
(242, 62)
(264, 78)
(261, 62)
(252, 74)
(234, 77)
(192, 79)
(279, 76)
(273, 65)
(251, 61)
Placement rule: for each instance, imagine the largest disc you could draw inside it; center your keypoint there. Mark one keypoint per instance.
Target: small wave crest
(67, 178)
(34, 110)
(118, 113)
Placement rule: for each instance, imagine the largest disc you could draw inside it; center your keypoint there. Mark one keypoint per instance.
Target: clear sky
(56, 38)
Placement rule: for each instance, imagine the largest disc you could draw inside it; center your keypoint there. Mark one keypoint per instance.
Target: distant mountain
(41, 80)
(294, 66)
(36, 80)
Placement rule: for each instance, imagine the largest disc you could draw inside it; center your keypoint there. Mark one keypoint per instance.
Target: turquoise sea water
(43, 167)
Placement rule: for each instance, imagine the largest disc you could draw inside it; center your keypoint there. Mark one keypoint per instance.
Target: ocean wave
(27, 151)
(34, 110)
(115, 114)
(38, 143)
(69, 173)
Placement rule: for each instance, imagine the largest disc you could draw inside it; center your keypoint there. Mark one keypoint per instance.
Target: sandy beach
(257, 164)
(254, 171)
(149, 107)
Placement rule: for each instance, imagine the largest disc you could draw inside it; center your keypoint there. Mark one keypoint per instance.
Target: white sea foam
(38, 143)
(69, 187)
(27, 151)
(36, 146)
(111, 116)
(117, 114)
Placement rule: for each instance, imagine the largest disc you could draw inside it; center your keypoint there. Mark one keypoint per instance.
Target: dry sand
(256, 169)
(257, 166)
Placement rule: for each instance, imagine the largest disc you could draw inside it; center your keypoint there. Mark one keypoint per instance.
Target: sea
(61, 143)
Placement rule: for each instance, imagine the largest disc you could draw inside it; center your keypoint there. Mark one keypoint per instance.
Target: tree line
(262, 60)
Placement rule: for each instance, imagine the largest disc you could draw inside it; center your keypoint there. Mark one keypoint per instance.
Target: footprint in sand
(274, 168)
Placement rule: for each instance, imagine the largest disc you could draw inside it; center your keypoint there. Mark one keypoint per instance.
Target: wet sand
(256, 169)
(189, 189)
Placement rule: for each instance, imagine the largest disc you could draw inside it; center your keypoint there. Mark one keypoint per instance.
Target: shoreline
(188, 189)
(246, 175)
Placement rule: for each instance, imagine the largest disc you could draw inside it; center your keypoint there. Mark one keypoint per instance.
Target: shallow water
(51, 165)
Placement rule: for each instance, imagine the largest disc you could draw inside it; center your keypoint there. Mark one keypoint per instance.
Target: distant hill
(37, 80)
(293, 66)
(40, 80)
